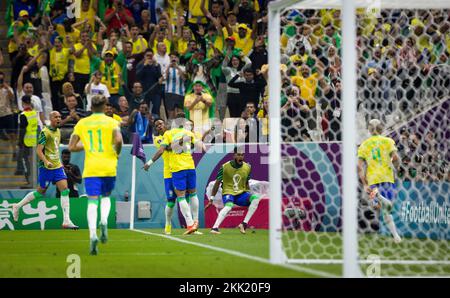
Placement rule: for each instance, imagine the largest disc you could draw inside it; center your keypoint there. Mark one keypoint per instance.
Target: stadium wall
(315, 185)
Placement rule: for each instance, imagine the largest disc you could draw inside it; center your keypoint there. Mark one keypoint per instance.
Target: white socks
(391, 225)
(105, 207)
(65, 206)
(92, 218)
(186, 211)
(386, 203)
(193, 202)
(169, 213)
(222, 214)
(251, 209)
(28, 198)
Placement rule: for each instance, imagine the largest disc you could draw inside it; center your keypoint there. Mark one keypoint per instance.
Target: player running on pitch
(234, 176)
(51, 170)
(102, 142)
(379, 155)
(161, 128)
(182, 166)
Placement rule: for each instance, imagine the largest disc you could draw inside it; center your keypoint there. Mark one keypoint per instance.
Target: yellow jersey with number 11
(96, 134)
(376, 151)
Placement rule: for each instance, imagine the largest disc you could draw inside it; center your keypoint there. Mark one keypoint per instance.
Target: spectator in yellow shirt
(198, 104)
(245, 38)
(69, 34)
(111, 76)
(88, 12)
(59, 67)
(82, 52)
(139, 43)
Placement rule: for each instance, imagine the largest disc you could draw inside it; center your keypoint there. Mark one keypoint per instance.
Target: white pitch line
(242, 255)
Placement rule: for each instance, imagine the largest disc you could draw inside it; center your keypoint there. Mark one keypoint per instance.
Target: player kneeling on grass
(234, 176)
(51, 170)
(379, 155)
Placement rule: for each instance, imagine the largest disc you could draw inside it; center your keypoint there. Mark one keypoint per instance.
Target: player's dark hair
(157, 119)
(65, 151)
(98, 103)
(238, 149)
(26, 99)
(137, 82)
(180, 115)
(248, 70)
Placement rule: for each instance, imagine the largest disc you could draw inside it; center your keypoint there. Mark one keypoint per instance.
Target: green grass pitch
(133, 254)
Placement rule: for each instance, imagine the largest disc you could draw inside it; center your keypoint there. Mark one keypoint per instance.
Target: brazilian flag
(9, 16)
(101, 9)
(46, 7)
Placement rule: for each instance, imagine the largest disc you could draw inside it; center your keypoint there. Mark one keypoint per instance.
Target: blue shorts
(99, 186)
(183, 180)
(242, 199)
(170, 192)
(47, 176)
(385, 189)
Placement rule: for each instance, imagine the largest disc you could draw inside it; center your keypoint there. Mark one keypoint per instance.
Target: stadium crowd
(208, 58)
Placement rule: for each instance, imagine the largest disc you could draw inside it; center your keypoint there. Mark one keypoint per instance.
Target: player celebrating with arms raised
(182, 166)
(234, 176)
(378, 154)
(102, 142)
(51, 170)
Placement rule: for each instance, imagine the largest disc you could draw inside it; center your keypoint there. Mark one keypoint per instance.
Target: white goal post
(350, 259)
(349, 58)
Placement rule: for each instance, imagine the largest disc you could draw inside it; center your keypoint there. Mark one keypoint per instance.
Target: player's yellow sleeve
(295, 80)
(392, 147)
(167, 138)
(76, 129)
(362, 151)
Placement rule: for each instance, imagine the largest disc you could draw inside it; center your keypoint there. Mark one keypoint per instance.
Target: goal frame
(349, 160)
(350, 248)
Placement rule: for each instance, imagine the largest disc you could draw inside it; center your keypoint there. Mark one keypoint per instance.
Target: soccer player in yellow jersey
(377, 156)
(161, 128)
(180, 141)
(99, 136)
(51, 170)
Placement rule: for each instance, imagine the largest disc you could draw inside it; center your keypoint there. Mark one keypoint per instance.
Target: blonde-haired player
(377, 156)
(102, 142)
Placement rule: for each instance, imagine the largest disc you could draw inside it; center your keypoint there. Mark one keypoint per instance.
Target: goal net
(401, 76)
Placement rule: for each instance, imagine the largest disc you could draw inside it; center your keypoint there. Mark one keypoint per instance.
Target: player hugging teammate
(179, 142)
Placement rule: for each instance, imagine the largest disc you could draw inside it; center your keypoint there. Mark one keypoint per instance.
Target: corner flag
(137, 148)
